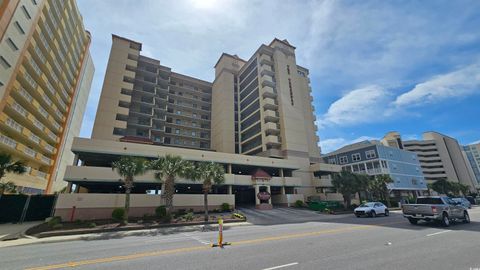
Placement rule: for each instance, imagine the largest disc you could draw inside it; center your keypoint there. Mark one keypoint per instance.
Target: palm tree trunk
(169, 192)
(347, 199)
(127, 203)
(205, 203)
(360, 197)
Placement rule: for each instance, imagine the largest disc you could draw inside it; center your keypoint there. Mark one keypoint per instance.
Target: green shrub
(299, 203)
(92, 225)
(78, 222)
(188, 216)
(54, 221)
(118, 214)
(180, 212)
(57, 226)
(225, 207)
(161, 211)
(167, 218)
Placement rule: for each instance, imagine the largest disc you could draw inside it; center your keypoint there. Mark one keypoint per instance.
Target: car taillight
(434, 209)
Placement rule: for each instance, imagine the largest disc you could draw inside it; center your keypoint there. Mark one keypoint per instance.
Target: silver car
(464, 202)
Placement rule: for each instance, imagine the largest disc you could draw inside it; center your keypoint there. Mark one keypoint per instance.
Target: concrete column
(282, 189)
(75, 160)
(257, 190)
(229, 169)
(269, 191)
(69, 187)
(230, 189)
(365, 165)
(281, 173)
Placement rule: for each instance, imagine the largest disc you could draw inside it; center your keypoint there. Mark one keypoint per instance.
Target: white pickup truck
(435, 208)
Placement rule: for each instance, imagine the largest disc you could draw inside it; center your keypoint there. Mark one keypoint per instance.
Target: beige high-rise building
(440, 157)
(45, 77)
(143, 101)
(256, 119)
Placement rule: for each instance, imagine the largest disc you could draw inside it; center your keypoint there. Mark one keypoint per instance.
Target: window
(288, 69)
(34, 2)
(291, 91)
(194, 124)
(4, 62)
(384, 164)
(19, 28)
(332, 161)
(356, 157)
(194, 115)
(178, 122)
(12, 44)
(370, 154)
(25, 11)
(343, 159)
(177, 131)
(179, 112)
(194, 134)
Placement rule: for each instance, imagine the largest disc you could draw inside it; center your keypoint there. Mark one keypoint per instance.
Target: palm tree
(379, 185)
(210, 173)
(362, 184)
(7, 165)
(128, 167)
(167, 169)
(346, 184)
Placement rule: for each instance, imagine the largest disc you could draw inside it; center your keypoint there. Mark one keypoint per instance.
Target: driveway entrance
(244, 196)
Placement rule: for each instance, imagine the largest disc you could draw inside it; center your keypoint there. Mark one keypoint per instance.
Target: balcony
(271, 116)
(266, 60)
(270, 104)
(272, 128)
(8, 141)
(272, 140)
(324, 181)
(269, 92)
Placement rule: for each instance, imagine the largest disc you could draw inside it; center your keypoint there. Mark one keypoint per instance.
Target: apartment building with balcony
(154, 104)
(374, 158)
(472, 155)
(45, 77)
(440, 157)
(256, 119)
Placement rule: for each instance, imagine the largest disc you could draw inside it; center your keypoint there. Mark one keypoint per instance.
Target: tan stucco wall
(100, 206)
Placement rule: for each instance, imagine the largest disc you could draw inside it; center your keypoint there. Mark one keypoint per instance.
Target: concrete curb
(130, 228)
(28, 240)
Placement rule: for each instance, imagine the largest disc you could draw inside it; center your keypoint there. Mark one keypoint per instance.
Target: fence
(20, 208)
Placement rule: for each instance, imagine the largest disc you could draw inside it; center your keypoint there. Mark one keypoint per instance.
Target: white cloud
(329, 145)
(357, 106)
(460, 83)
(475, 142)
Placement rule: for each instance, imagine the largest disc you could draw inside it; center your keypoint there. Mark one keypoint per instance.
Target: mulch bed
(98, 226)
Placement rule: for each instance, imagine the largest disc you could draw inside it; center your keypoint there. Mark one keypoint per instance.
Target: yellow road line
(187, 249)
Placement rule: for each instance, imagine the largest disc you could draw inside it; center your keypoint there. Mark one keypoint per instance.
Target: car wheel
(466, 217)
(413, 221)
(445, 220)
(373, 214)
(387, 213)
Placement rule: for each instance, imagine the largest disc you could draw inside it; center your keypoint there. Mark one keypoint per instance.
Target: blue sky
(375, 66)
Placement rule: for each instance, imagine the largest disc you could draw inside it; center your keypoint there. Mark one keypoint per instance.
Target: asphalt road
(304, 240)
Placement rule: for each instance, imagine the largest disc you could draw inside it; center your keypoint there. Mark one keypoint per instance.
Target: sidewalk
(26, 240)
(12, 231)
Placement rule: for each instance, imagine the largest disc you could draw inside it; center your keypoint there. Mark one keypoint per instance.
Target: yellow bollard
(220, 235)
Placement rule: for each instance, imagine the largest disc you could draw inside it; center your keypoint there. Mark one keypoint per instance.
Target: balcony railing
(29, 152)
(11, 123)
(18, 108)
(8, 141)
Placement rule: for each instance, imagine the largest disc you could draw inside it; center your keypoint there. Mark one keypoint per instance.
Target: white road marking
(437, 233)
(196, 238)
(281, 266)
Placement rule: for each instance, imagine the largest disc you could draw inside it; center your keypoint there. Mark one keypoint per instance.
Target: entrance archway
(244, 195)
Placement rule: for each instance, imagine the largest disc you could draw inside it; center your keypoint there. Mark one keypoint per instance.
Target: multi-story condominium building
(374, 158)
(256, 119)
(154, 104)
(440, 157)
(45, 76)
(472, 154)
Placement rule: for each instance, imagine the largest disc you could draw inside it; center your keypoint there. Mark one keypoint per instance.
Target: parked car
(435, 208)
(471, 200)
(464, 202)
(371, 209)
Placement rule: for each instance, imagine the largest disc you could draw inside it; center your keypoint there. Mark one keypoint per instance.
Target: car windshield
(367, 205)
